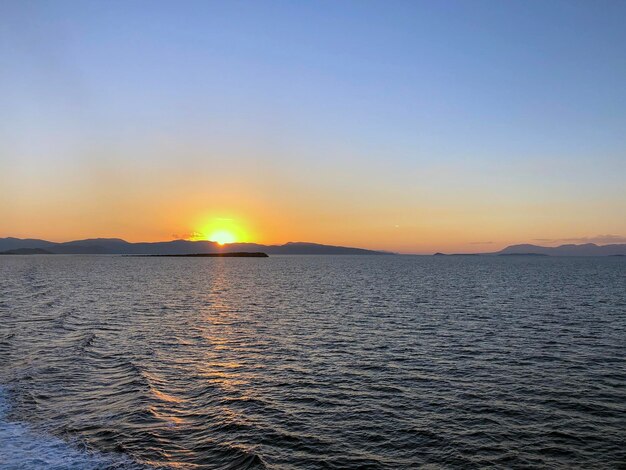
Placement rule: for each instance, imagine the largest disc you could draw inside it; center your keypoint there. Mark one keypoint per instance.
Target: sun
(221, 230)
(222, 237)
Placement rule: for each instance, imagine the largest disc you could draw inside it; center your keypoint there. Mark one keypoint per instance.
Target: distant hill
(116, 246)
(587, 249)
(11, 243)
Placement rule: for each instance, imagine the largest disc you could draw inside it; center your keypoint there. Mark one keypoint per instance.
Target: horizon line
(429, 252)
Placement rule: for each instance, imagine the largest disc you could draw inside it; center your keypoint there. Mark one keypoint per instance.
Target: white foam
(21, 447)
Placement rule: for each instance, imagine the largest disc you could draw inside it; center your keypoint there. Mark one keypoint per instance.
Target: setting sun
(222, 237)
(221, 230)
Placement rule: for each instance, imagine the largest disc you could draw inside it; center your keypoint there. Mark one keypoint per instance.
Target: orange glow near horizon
(275, 210)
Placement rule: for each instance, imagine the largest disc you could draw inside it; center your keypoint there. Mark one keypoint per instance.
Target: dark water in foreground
(312, 362)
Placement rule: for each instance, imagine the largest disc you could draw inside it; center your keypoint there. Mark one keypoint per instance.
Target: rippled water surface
(312, 362)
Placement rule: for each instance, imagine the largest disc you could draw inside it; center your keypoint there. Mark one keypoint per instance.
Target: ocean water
(312, 362)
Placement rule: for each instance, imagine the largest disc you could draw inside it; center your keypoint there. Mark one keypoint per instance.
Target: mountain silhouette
(586, 249)
(116, 246)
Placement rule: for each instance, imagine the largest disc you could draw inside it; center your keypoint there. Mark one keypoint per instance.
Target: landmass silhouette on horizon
(117, 246)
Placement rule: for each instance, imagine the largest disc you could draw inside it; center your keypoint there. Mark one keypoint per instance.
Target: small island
(522, 254)
(26, 251)
(234, 254)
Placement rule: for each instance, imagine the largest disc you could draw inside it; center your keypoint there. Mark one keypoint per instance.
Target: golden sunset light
(222, 237)
(221, 230)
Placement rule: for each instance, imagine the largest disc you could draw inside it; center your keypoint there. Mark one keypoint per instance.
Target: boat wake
(21, 446)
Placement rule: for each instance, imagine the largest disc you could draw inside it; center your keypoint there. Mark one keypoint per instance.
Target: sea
(312, 362)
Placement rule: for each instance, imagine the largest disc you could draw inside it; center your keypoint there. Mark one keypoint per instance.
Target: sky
(414, 126)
